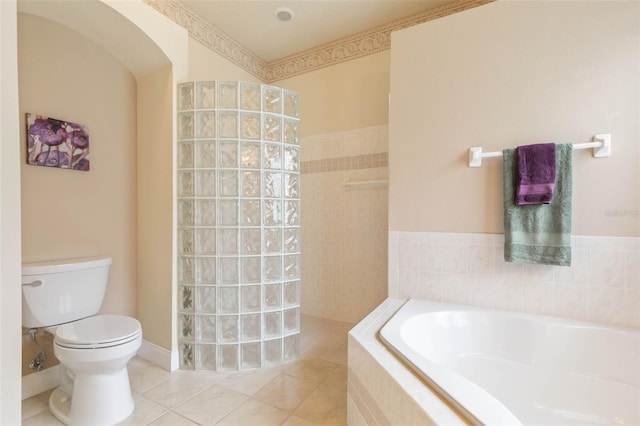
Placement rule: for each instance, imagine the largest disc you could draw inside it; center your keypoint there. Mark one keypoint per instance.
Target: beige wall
(204, 64)
(350, 95)
(10, 384)
(508, 74)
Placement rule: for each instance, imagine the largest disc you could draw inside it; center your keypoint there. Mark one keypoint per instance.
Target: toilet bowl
(93, 350)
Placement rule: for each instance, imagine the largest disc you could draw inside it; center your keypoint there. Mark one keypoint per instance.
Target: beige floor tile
(339, 356)
(177, 389)
(336, 381)
(173, 419)
(249, 382)
(324, 407)
(294, 420)
(43, 419)
(211, 405)
(311, 369)
(144, 412)
(32, 406)
(254, 413)
(286, 392)
(143, 375)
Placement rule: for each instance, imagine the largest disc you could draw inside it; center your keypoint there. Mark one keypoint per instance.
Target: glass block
(228, 155)
(185, 327)
(250, 241)
(185, 298)
(272, 99)
(272, 210)
(291, 213)
(206, 328)
(251, 355)
(250, 155)
(185, 241)
(205, 124)
(186, 356)
(185, 96)
(206, 94)
(185, 155)
(272, 350)
(291, 103)
(228, 94)
(291, 346)
(250, 300)
(291, 240)
(205, 270)
(272, 127)
(229, 331)
(291, 320)
(205, 212)
(291, 185)
(272, 240)
(250, 212)
(292, 158)
(228, 125)
(291, 266)
(251, 327)
(292, 131)
(186, 272)
(185, 184)
(272, 185)
(271, 297)
(250, 269)
(291, 293)
(205, 154)
(228, 298)
(205, 183)
(228, 240)
(185, 125)
(250, 96)
(229, 270)
(229, 357)
(272, 323)
(185, 213)
(271, 156)
(228, 213)
(206, 241)
(250, 125)
(206, 359)
(228, 183)
(206, 299)
(251, 184)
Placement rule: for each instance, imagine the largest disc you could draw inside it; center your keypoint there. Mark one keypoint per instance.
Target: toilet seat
(100, 331)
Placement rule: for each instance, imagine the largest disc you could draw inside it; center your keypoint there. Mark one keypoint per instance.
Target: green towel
(539, 233)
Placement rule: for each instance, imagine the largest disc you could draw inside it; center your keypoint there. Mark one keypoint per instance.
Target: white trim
(158, 355)
(41, 381)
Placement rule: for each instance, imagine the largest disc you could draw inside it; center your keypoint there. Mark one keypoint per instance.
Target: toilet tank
(59, 291)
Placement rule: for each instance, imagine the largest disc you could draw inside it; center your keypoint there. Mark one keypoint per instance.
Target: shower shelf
(349, 185)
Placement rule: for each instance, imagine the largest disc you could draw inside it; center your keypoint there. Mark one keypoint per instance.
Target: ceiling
(252, 23)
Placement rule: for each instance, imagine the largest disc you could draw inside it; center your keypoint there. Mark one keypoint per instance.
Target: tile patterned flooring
(309, 391)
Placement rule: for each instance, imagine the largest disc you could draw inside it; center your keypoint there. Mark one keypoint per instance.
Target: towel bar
(601, 145)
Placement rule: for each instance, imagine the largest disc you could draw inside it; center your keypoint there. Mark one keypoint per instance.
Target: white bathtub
(511, 368)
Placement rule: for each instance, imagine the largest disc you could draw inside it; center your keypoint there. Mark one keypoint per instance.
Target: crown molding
(355, 46)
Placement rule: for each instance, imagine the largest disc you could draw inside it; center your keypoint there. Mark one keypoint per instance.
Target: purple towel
(536, 176)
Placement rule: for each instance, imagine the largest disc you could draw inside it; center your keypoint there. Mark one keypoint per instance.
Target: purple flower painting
(57, 143)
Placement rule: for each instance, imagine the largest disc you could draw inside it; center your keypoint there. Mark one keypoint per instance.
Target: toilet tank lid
(64, 265)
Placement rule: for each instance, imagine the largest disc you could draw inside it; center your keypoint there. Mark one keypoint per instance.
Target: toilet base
(97, 399)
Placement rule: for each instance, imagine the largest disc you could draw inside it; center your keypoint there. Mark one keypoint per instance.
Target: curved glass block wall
(238, 162)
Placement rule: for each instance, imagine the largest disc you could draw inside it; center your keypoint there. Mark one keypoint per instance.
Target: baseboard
(40, 381)
(158, 355)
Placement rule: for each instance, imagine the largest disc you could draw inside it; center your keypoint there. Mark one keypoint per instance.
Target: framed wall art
(57, 143)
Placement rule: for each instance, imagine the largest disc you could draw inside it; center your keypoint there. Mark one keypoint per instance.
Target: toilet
(64, 296)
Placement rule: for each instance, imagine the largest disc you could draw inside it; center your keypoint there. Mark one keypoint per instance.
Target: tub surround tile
(470, 269)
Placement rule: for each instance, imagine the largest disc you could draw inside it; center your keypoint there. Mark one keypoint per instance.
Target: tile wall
(344, 233)
(602, 285)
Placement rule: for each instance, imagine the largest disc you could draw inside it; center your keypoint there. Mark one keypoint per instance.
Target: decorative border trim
(159, 356)
(338, 164)
(355, 46)
(40, 381)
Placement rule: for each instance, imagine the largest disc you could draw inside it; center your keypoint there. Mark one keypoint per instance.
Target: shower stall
(238, 216)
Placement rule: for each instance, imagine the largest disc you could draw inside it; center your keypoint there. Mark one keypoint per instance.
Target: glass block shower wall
(238, 192)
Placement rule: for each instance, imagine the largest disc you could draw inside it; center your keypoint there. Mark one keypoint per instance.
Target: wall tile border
(355, 46)
(338, 164)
